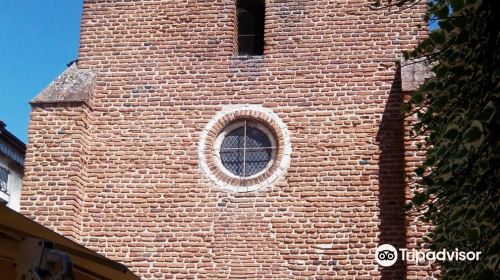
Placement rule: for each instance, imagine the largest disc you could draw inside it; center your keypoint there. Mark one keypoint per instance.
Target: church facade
(231, 139)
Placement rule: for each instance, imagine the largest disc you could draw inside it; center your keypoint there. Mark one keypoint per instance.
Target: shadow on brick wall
(392, 178)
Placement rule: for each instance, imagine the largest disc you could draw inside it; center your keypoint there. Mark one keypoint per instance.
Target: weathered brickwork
(56, 168)
(123, 175)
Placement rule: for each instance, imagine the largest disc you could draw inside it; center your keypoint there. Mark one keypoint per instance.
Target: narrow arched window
(250, 27)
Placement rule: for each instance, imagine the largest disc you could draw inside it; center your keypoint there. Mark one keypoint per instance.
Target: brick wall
(164, 70)
(55, 169)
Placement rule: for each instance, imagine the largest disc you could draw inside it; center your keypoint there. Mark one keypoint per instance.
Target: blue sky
(37, 39)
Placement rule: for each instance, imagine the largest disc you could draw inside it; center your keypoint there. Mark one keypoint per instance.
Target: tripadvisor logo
(387, 255)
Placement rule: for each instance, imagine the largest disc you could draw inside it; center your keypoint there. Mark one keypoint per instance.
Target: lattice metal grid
(246, 151)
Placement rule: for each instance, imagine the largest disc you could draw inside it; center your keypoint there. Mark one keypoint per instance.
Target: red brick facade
(120, 172)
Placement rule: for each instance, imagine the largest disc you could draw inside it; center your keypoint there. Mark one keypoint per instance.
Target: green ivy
(459, 118)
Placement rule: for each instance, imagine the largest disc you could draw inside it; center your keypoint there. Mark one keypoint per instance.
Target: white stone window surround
(229, 129)
(226, 114)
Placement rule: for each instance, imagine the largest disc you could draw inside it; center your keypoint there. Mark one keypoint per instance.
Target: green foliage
(459, 116)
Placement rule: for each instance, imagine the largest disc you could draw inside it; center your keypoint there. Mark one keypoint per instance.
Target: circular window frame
(234, 126)
(225, 122)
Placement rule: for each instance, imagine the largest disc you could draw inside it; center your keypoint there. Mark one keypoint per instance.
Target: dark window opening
(4, 179)
(250, 27)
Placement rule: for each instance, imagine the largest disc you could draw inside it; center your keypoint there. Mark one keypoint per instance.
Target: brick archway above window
(260, 156)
